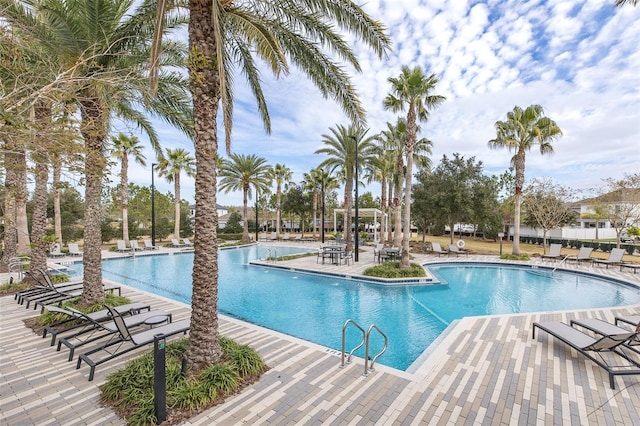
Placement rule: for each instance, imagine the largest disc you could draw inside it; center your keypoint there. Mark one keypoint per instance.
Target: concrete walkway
(485, 370)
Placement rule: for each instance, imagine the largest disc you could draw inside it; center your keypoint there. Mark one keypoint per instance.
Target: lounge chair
(121, 246)
(604, 328)
(435, 248)
(98, 330)
(554, 252)
(187, 243)
(453, 249)
(134, 246)
(347, 257)
(263, 236)
(133, 341)
(42, 288)
(67, 293)
(273, 237)
(584, 255)
(55, 250)
(595, 349)
(75, 321)
(176, 243)
(615, 258)
(297, 238)
(633, 320)
(74, 250)
(148, 245)
(286, 236)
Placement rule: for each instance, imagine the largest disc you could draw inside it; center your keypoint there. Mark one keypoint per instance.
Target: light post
(357, 225)
(153, 207)
(322, 208)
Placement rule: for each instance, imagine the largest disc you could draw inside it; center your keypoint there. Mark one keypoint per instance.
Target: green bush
(392, 270)
(514, 257)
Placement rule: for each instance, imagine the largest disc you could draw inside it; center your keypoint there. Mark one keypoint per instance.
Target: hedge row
(602, 246)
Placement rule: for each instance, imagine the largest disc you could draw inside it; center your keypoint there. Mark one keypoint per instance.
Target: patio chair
(75, 321)
(121, 246)
(605, 328)
(55, 250)
(347, 257)
(435, 248)
(187, 243)
(286, 236)
(176, 243)
(596, 349)
(554, 252)
(97, 330)
(74, 250)
(297, 238)
(134, 246)
(377, 251)
(67, 293)
(584, 255)
(263, 236)
(615, 258)
(133, 341)
(273, 237)
(42, 288)
(148, 245)
(453, 249)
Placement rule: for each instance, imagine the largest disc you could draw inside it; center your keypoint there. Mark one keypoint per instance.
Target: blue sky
(579, 59)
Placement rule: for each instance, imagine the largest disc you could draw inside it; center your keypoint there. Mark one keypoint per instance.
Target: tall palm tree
(123, 147)
(228, 35)
(413, 90)
(340, 148)
(282, 175)
(241, 173)
(312, 181)
(101, 51)
(176, 161)
(623, 2)
(520, 132)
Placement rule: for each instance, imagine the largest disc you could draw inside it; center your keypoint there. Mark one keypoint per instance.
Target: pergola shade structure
(379, 218)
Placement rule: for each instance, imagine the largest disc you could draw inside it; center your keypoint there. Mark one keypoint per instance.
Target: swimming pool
(314, 307)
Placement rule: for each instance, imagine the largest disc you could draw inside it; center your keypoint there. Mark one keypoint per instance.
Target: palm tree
(520, 132)
(176, 161)
(340, 147)
(413, 90)
(228, 35)
(123, 147)
(241, 173)
(623, 2)
(312, 181)
(104, 73)
(393, 143)
(282, 175)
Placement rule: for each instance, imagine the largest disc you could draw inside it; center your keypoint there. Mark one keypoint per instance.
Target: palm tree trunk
(93, 131)
(383, 204)
(245, 215)
(22, 227)
(57, 214)
(397, 203)
(406, 235)
(204, 346)
(348, 203)
(39, 217)
(278, 209)
(176, 186)
(10, 241)
(315, 212)
(519, 184)
(124, 197)
(389, 212)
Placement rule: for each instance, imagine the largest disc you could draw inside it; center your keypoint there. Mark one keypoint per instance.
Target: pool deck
(484, 370)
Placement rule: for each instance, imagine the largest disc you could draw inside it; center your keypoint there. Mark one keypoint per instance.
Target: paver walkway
(485, 370)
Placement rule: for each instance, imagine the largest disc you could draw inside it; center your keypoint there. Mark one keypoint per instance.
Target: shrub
(514, 257)
(392, 270)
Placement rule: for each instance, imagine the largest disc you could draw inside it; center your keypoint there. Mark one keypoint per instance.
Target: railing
(272, 255)
(564, 259)
(368, 366)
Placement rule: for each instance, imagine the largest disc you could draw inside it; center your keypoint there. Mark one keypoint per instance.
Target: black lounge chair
(133, 341)
(589, 347)
(605, 328)
(76, 321)
(67, 294)
(99, 330)
(42, 288)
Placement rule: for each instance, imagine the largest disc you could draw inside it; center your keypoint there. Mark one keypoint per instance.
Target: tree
(622, 203)
(520, 132)
(101, 52)
(313, 182)
(545, 206)
(340, 147)
(282, 175)
(225, 36)
(241, 173)
(123, 147)
(413, 90)
(175, 162)
(233, 225)
(620, 3)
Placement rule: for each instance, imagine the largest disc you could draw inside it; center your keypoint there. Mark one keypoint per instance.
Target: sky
(579, 60)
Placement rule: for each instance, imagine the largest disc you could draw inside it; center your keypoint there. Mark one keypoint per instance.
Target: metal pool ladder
(368, 366)
(272, 256)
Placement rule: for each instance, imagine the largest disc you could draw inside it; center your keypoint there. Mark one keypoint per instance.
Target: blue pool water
(315, 307)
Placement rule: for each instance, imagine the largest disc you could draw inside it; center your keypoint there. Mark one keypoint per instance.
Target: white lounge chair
(134, 245)
(187, 243)
(435, 248)
(554, 252)
(286, 236)
(274, 237)
(176, 243)
(121, 246)
(74, 250)
(55, 250)
(615, 258)
(453, 249)
(148, 245)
